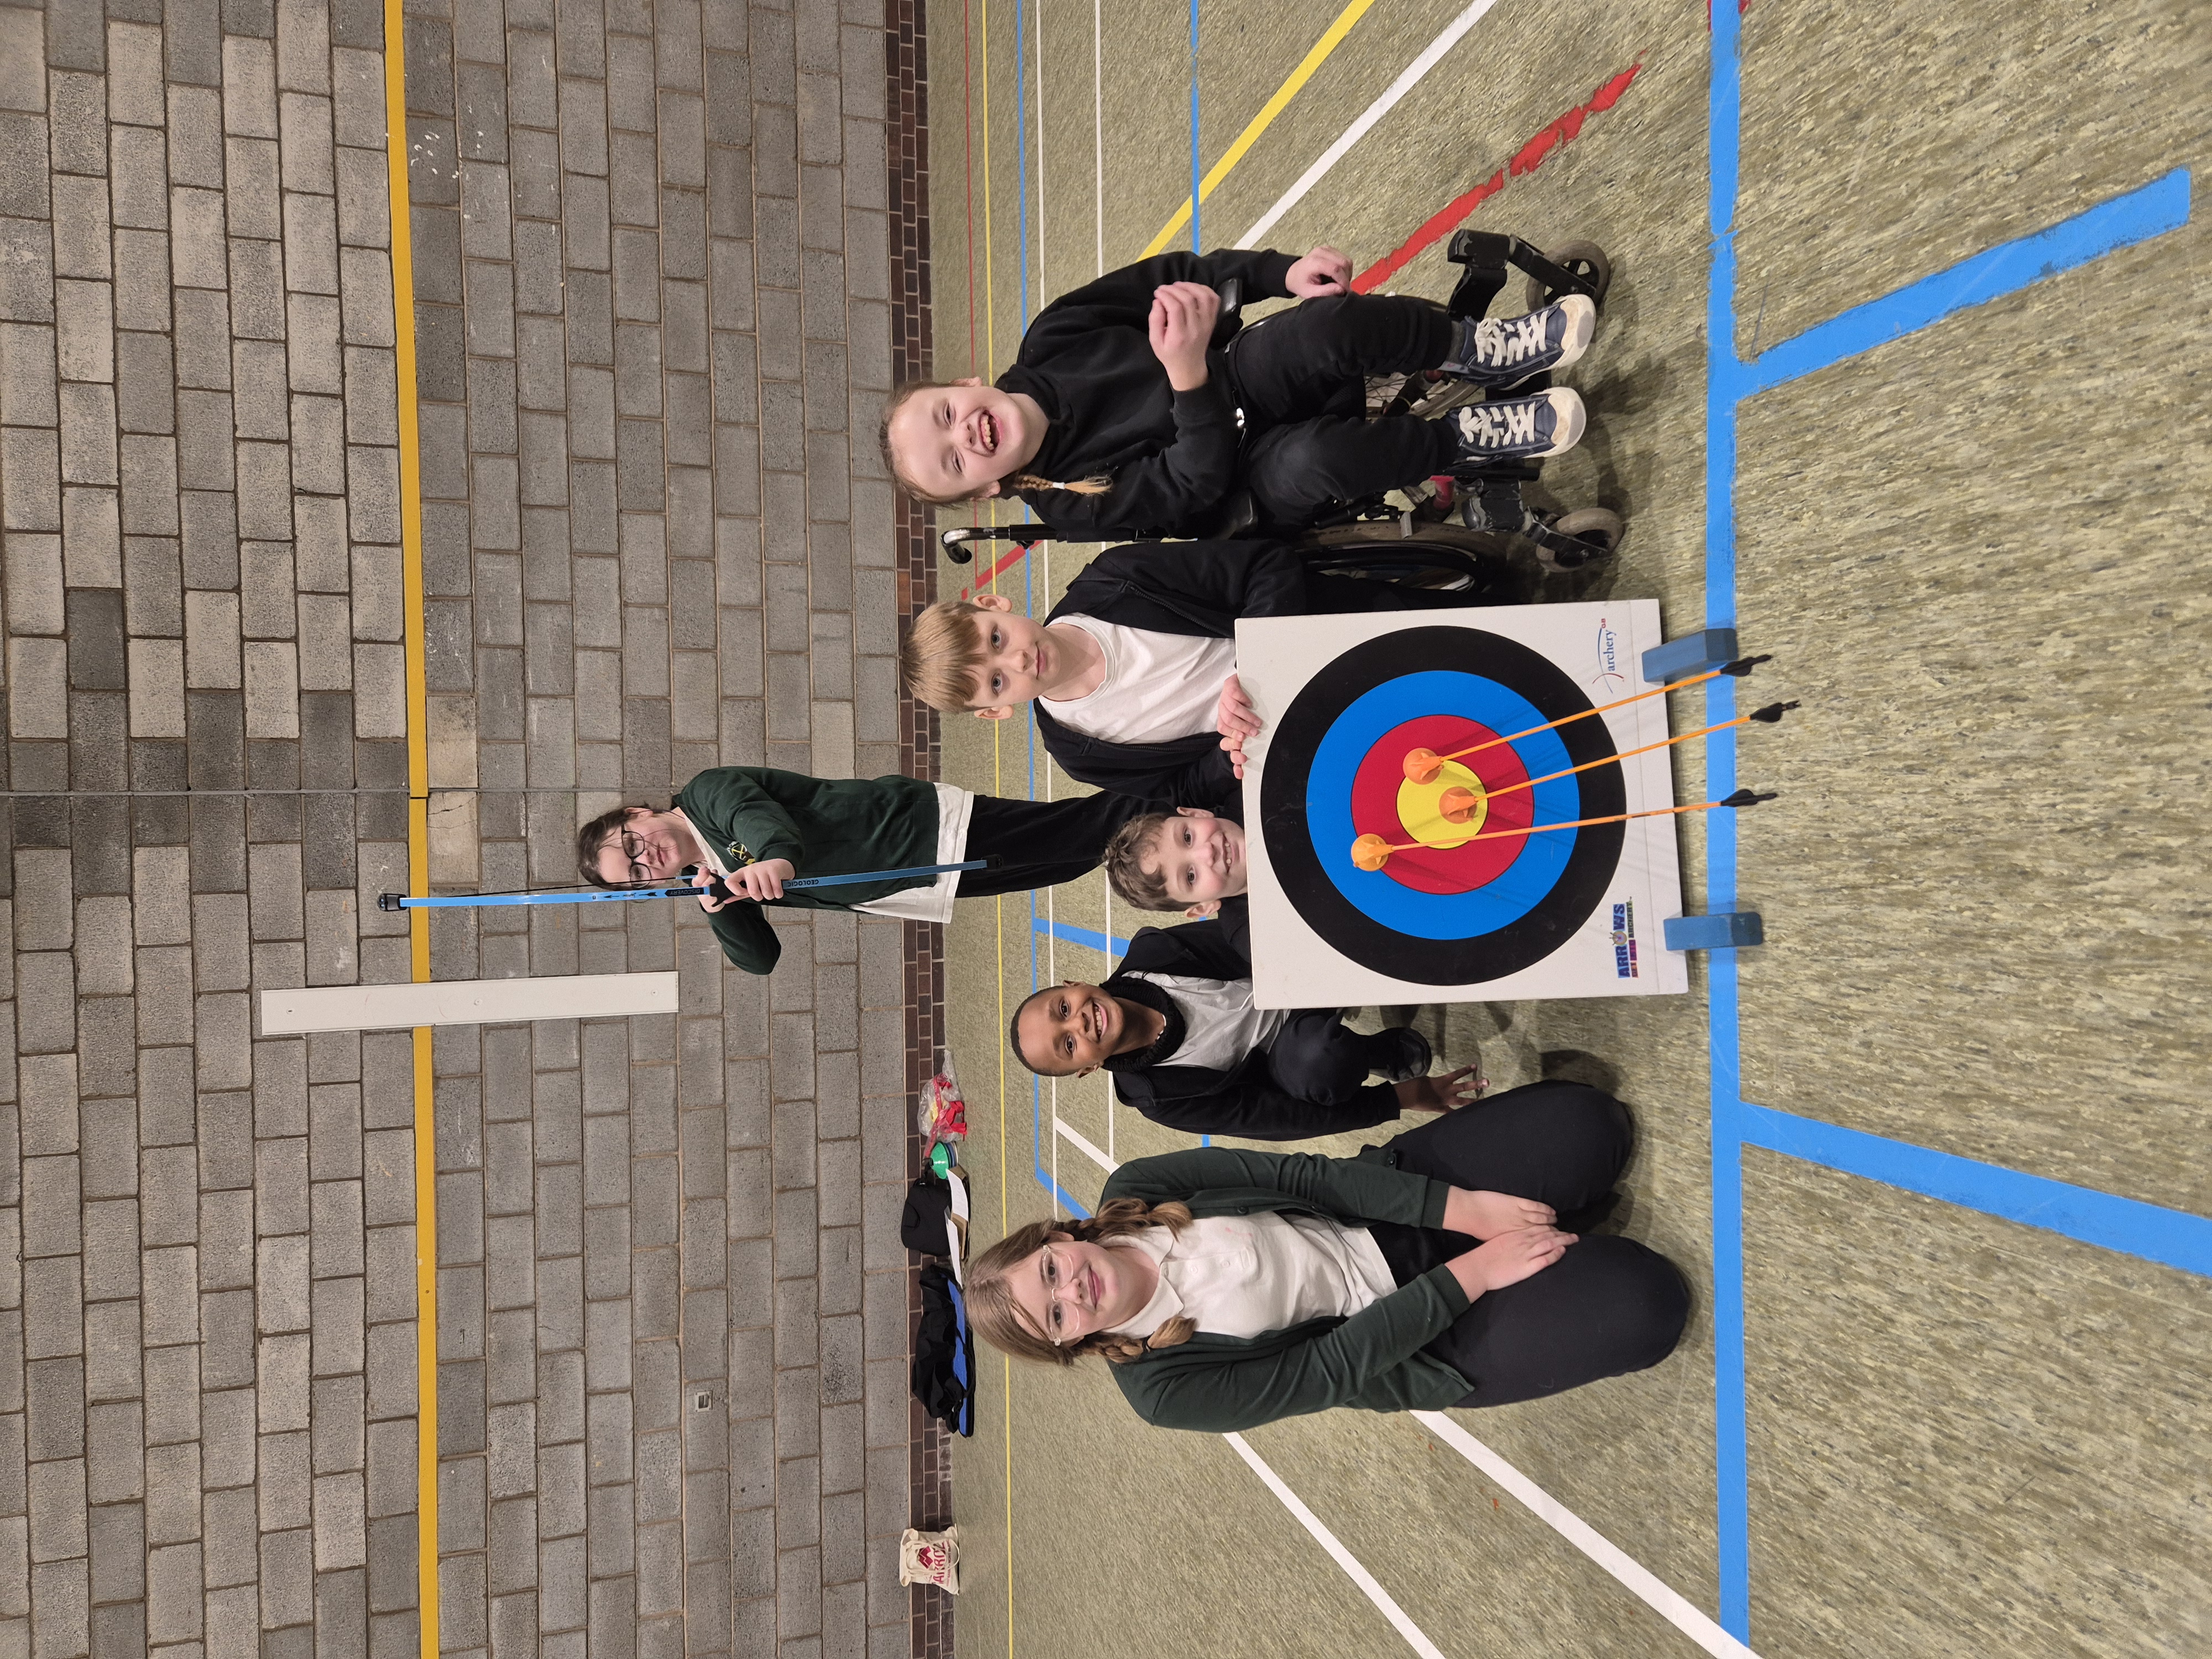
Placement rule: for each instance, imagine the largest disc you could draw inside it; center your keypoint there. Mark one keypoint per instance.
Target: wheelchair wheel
(1441, 558)
(1586, 259)
(1599, 526)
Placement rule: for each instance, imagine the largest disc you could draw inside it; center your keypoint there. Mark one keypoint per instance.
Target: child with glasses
(754, 828)
(1451, 1266)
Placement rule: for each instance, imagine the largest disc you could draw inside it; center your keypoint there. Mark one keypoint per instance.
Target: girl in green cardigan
(1230, 1289)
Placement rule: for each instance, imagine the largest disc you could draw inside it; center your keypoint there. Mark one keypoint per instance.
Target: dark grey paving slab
(657, 1399)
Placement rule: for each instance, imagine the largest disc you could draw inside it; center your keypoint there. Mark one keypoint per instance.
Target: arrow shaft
(1584, 714)
(1577, 824)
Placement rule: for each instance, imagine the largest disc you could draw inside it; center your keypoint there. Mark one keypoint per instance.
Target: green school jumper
(1373, 1360)
(824, 826)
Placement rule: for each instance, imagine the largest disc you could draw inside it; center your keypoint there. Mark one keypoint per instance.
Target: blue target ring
(1520, 915)
(1541, 859)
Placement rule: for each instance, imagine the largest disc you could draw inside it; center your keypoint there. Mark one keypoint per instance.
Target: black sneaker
(1500, 351)
(1516, 429)
(1400, 1054)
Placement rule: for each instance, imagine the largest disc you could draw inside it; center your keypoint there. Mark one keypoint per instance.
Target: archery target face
(1477, 900)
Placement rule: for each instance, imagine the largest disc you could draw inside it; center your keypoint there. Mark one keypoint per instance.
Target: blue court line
(1196, 246)
(2170, 1236)
(1731, 1471)
(2158, 207)
(1069, 933)
(2173, 1237)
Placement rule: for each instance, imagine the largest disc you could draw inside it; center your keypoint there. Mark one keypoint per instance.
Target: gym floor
(1933, 1156)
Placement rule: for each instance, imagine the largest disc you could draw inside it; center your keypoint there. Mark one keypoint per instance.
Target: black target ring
(1522, 943)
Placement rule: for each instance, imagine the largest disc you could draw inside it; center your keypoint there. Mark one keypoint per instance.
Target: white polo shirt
(1220, 1026)
(1244, 1275)
(1159, 687)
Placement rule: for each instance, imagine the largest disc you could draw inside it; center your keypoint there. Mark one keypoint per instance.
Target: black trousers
(1608, 1306)
(1300, 378)
(1315, 1057)
(1043, 842)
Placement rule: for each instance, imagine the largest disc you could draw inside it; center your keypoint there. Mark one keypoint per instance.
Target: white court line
(1344, 1558)
(1674, 1608)
(1083, 1146)
(1375, 112)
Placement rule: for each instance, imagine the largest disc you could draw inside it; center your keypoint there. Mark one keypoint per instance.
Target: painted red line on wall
(1529, 157)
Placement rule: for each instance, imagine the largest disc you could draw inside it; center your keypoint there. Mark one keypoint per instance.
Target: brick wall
(906, 40)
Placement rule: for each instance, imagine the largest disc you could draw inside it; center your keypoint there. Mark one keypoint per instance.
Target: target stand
(1475, 898)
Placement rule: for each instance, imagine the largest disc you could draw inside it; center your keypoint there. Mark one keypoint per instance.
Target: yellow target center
(1420, 808)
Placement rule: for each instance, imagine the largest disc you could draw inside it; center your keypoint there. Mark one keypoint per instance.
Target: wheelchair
(1473, 534)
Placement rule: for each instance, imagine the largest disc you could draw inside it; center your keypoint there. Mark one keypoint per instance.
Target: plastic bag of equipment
(943, 1114)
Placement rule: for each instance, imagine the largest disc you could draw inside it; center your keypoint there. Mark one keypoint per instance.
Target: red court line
(991, 575)
(1529, 157)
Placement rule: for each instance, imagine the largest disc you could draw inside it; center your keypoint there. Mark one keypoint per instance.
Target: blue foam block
(1725, 929)
(1693, 654)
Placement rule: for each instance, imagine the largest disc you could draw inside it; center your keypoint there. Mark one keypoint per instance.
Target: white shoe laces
(1496, 425)
(1500, 342)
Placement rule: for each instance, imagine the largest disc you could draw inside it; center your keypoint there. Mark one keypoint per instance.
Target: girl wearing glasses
(1228, 1289)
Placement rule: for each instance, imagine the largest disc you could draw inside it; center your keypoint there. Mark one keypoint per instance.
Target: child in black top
(1132, 409)
(1175, 1025)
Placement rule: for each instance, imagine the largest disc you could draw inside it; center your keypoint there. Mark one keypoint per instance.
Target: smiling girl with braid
(1133, 409)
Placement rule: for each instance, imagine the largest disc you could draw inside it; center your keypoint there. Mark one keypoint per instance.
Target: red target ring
(1462, 869)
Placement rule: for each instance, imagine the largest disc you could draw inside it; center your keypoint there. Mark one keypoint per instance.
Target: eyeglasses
(1058, 1282)
(633, 851)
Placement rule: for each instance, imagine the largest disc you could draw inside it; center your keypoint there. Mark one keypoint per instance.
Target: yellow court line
(418, 831)
(998, 904)
(1332, 38)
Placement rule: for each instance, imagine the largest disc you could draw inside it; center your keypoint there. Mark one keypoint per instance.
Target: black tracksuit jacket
(1193, 588)
(1243, 1101)
(1088, 361)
